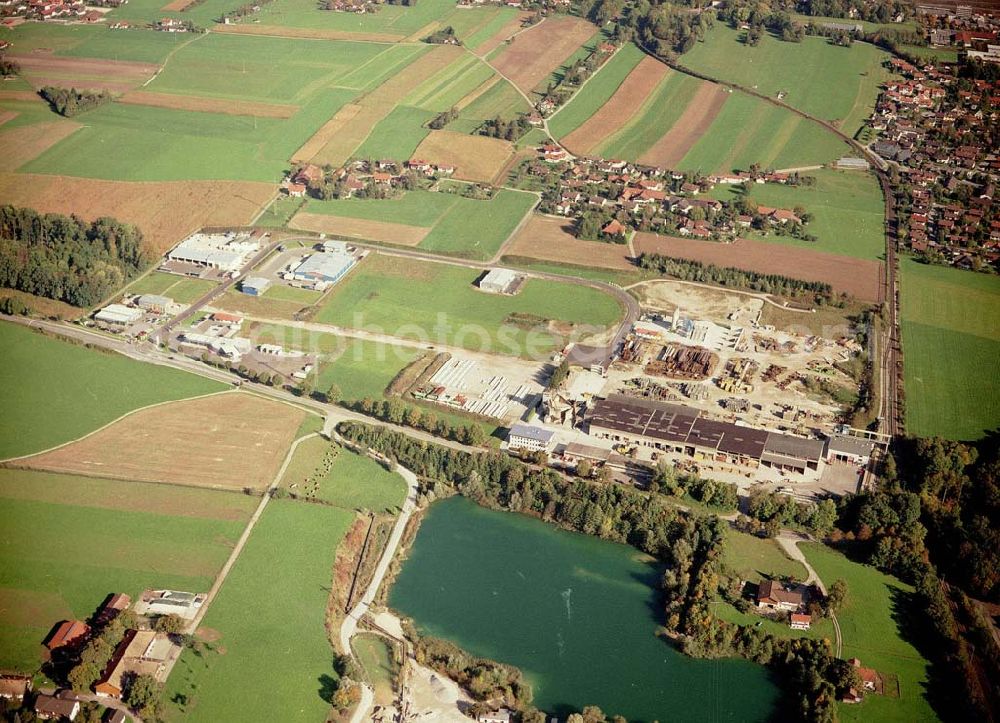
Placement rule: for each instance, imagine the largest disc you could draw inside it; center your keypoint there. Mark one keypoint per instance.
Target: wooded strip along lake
(576, 614)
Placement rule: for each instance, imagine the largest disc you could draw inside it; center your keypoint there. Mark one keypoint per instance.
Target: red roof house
(68, 632)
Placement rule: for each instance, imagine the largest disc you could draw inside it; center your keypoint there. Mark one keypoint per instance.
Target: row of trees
(688, 270)
(395, 411)
(506, 129)
(66, 258)
(70, 101)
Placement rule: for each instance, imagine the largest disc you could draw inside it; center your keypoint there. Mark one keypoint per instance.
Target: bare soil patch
(697, 117)
(152, 206)
(384, 231)
(535, 53)
(548, 238)
(311, 33)
(83, 73)
(231, 440)
(208, 105)
(857, 277)
(26, 143)
(476, 158)
(176, 6)
(7, 115)
(28, 95)
(620, 108)
(501, 35)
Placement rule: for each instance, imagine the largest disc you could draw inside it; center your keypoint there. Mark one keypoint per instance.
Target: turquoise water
(576, 614)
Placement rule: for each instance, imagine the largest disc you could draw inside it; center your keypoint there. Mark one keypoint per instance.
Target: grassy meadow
(54, 391)
(69, 541)
(951, 340)
(438, 303)
(875, 625)
(827, 81)
(271, 608)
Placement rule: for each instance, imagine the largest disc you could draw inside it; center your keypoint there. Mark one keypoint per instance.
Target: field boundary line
(114, 421)
(171, 54)
(584, 84)
(241, 543)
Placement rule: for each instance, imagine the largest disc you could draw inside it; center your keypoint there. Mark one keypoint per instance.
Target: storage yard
(504, 391)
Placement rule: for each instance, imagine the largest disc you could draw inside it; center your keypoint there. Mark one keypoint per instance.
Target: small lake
(576, 614)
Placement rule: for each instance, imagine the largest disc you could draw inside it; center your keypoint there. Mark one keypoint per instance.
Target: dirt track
(858, 277)
(225, 440)
(535, 53)
(384, 231)
(620, 108)
(548, 238)
(208, 105)
(694, 121)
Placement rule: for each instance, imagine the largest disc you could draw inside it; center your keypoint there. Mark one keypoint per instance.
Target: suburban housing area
(499, 361)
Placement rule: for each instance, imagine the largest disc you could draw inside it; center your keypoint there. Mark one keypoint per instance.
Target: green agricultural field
(397, 135)
(872, 621)
(94, 41)
(661, 110)
(54, 392)
(596, 92)
(70, 541)
(280, 212)
(204, 14)
(490, 28)
(272, 608)
(383, 66)
(951, 342)
(825, 80)
(353, 482)
(500, 101)
(750, 130)
(414, 208)
(396, 20)
(438, 303)
(447, 87)
(364, 368)
(179, 288)
(847, 208)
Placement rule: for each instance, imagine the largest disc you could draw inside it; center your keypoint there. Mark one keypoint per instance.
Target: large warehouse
(222, 251)
(682, 430)
(324, 267)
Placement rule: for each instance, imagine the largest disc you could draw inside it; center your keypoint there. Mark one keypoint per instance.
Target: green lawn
(951, 341)
(352, 482)
(438, 303)
(365, 368)
(69, 541)
(820, 629)
(830, 82)
(375, 655)
(179, 288)
(601, 86)
(414, 208)
(847, 208)
(749, 130)
(753, 558)
(658, 114)
(872, 620)
(390, 19)
(54, 392)
(273, 660)
(280, 212)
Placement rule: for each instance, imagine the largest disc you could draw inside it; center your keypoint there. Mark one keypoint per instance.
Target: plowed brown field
(476, 158)
(25, 143)
(857, 277)
(548, 238)
(495, 41)
(231, 440)
(41, 69)
(384, 231)
(694, 121)
(620, 108)
(208, 105)
(152, 206)
(535, 53)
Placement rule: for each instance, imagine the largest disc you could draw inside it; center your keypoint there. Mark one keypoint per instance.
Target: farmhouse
(118, 315)
(501, 281)
(773, 595)
(534, 439)
(225, 252)
(324, 268)
(254, 286)
(871, 681)
(112, 607)
(141, 652)
(51, 707)
(14, 687)
(800, 621)
(67, 633)
(167, 602)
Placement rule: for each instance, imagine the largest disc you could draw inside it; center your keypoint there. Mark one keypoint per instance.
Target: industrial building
(227, 252)
(169, 602)
(845, 448)
(682, 430)
(118, 315)
(533, 439)
(324, 268)
(501, 281)
(141, 652)
(154, 303)
(255, 286)
(230, 347)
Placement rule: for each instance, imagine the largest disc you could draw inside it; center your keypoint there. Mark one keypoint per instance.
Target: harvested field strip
(858, 277)
(477, 92)
(502, 99)
(384, 231)
(26, 95)
(392, 61)
(661, 110)
(596, 92)
(176, 6)
(208, 105)
(448, 93)
(230, 440)
(327, 134)
(152, 206)
(308, 33)
(476, 158)
(7, 115)
(620, 108)
(533, 54)
(437, 59)
(551, 239)
(398, 134)
(494, 33)
(25, 143)
(348, 130)
(439, 80)
(685, 132)
(112, 72)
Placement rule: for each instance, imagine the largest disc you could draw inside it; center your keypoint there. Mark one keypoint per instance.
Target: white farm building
(500, 281)
(225, 252)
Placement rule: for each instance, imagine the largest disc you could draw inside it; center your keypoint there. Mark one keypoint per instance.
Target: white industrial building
(170, 602)
(226, 252)
(534, 439)
(232, 348)
(118, 315)
(154, 302)
(845, 448)
(500, 281)
(325, 268)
